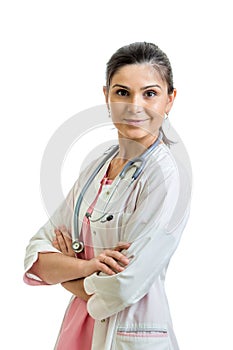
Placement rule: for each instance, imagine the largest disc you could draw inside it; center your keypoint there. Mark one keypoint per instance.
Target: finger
(68, 242)
(64, 241)
(55, 241)
(105, 269)
(66, 234)
(55, 244)
(122, 246)
(111, 263)
(64, 230)
(117, 256)
(61, 242)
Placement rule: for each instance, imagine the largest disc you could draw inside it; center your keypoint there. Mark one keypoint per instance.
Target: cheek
(156, 114)
(117, 110)
(156, 119)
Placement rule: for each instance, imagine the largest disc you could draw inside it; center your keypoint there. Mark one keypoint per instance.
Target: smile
(135, 121)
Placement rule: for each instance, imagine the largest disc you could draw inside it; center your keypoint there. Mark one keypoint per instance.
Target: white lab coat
(130, 308)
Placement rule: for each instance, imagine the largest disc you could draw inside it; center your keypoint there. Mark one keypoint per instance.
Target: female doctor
(130, 225)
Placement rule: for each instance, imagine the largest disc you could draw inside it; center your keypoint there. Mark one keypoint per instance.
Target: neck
(129, 149)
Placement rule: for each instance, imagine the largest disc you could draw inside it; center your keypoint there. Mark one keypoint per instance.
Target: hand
(109, 262)
(63, 242)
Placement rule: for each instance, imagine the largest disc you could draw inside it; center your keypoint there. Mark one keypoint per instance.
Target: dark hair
(142, 52)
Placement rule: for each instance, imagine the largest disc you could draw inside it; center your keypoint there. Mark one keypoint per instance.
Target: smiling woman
(139, 89)
(138, 100)
(130, 226)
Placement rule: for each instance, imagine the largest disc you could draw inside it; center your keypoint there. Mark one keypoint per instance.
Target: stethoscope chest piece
(77, 246)
(105, 217)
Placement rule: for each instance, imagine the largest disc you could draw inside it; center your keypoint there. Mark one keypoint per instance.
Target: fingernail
(120, 268)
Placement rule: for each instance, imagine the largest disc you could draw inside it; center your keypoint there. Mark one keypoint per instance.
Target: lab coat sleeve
(42, 240)
(154, 231)
(63, 216)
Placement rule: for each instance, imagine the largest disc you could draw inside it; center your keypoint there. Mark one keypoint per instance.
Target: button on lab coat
(130, 308)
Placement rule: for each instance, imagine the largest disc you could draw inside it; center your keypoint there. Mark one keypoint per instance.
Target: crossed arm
(69, 271)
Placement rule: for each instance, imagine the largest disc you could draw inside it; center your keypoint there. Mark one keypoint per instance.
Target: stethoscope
(77, 245)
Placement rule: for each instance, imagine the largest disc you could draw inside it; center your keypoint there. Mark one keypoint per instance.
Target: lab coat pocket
(142, 339)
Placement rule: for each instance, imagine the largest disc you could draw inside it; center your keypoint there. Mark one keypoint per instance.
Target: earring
(109, 113)
(166, 123)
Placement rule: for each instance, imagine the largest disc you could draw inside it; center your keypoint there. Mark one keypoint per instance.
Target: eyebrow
(143, 88)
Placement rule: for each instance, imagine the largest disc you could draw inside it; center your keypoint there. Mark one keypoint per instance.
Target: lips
(135, 122)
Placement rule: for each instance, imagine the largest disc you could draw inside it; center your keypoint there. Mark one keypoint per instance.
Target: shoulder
(161, 166)
(165, 169)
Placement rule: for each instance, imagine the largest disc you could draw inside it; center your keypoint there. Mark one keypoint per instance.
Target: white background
(53, 56)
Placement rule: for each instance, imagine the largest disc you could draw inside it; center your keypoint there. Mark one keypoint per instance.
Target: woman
(118, 299)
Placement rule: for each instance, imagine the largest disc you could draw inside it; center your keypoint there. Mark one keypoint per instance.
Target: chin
(133, 134)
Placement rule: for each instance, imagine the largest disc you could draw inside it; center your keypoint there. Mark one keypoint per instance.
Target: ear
(170, 101)
(105, 91)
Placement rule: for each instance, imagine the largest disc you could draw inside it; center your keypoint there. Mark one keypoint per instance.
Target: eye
(122, 92)
(150, 93)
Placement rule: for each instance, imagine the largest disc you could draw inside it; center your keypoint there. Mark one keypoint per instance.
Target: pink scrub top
(77, 327)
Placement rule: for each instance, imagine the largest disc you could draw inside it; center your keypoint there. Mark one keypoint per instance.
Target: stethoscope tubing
(85, 188)
(77, 245)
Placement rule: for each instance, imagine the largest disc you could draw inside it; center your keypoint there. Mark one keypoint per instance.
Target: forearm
(56, 268)
(76, 287)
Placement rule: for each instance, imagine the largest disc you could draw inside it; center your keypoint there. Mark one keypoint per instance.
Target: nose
(135, 104)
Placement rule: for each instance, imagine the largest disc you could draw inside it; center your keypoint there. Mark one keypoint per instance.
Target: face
(138, 101)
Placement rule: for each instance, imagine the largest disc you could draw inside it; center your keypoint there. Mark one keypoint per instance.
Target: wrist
(90, 267)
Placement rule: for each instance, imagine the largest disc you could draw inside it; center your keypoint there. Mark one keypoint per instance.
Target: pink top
(77, 326)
